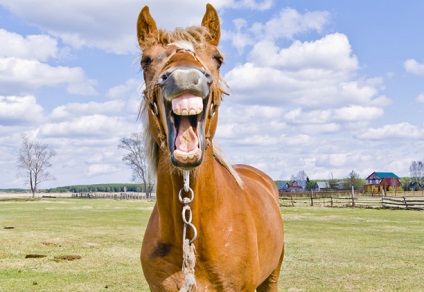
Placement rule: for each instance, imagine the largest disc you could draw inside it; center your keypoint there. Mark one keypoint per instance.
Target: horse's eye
(219, 60)
(145, 61)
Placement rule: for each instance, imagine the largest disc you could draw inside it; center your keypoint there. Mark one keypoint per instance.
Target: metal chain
(189, 258)
(187, 215)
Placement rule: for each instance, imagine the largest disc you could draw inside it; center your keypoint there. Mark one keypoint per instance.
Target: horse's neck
(169, 184)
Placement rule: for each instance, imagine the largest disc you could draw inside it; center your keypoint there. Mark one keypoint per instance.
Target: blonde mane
(196, 35)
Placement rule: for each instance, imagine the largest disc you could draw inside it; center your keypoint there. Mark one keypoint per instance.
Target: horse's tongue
(186, 140)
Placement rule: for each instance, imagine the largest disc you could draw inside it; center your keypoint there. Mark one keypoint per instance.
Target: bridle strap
(154, 111)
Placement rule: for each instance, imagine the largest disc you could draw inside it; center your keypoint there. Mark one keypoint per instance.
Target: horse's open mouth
(186, 130)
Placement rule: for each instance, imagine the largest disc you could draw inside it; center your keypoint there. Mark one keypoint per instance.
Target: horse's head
(183, 92)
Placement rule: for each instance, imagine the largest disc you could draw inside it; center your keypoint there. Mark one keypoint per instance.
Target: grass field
(93, 245)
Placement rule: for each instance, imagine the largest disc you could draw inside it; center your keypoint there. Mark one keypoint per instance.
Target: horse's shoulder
(250, 173)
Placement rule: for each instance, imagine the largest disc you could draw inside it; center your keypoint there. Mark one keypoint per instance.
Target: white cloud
(98, 169)
(357, 113)
(420, 97)
(15, 110)
(72, 110)
(310, 74)
(286, 25)
(22, 76)
(394, 131)
(297, 140)
(130, 87)
(342, 114)
(290, 22)
(414, 67)
(109, 25)
(239, 39)
(38, 47)
(251, 4)
(332, 52)
(87, 126)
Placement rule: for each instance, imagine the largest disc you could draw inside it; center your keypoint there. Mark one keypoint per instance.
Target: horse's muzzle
(176, 81)
(186, 92)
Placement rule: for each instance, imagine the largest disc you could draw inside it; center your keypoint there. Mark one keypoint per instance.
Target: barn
(377, 182)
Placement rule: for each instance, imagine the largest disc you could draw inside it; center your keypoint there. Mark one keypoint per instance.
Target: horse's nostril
(163, 78)
(209, 77)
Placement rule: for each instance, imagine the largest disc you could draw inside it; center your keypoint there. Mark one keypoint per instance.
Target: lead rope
(189, 258)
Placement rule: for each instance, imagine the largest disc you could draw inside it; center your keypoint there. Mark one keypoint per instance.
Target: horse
(233, 226)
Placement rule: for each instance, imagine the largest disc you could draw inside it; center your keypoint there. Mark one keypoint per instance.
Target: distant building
(322, 186)
(283, 186)
(376, 182)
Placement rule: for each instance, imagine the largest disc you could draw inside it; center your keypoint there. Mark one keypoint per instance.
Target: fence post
(312, 198)
(331, 197)
(405, 202)
(353, 197)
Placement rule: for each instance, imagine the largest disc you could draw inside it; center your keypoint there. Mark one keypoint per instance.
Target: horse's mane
(197, 35)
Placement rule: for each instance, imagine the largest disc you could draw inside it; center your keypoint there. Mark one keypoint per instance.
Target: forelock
(195, 35)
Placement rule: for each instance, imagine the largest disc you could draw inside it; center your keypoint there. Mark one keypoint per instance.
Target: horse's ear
(146, 26)
(211, 21)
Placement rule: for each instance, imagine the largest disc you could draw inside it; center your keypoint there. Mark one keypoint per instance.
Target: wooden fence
(341, 200)
(403, 203)
(115, 196)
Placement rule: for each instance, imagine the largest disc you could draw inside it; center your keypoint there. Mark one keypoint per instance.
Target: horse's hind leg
(271, 283)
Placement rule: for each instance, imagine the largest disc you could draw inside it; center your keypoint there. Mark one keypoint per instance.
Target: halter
(181, 47)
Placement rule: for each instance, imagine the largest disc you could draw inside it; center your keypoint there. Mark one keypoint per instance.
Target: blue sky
(321, 86)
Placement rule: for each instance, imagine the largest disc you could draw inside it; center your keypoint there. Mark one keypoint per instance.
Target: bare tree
(394, 184)
(136, 159)
(33, 162)
(416, 171)
(301, 179)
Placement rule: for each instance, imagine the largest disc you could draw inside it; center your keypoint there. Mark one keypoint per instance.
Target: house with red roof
(377, 182)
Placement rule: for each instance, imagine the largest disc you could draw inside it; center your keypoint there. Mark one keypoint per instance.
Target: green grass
(326, 249)
(107, 234)
(334, 249)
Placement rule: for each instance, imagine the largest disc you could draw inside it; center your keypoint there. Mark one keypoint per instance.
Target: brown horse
(239, 245)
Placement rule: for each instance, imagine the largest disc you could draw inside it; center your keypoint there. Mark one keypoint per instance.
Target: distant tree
(354, 180)
(310, 184)
(301, 179)
(33, 162)
(416, 171)
(301, 175)
(136, 159)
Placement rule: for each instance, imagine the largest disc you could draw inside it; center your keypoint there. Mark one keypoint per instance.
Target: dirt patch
(66, 258)
(35, 256)
(48, 243)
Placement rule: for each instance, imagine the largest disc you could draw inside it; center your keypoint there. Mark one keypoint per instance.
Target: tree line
(103, 188)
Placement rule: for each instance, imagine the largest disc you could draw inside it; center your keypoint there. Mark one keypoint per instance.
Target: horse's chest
(216, 272)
